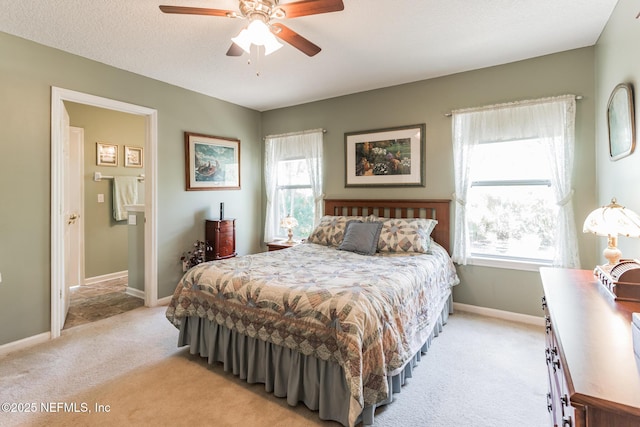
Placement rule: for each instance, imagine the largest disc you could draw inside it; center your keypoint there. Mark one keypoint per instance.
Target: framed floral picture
(106, 154)
(133, 157)
(385, 157)
(211, 162)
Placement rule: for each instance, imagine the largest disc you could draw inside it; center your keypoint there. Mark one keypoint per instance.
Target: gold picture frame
(133, 157)
(106, 154)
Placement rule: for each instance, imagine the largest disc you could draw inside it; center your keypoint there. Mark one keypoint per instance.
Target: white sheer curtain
(307, 145)
(552, 120)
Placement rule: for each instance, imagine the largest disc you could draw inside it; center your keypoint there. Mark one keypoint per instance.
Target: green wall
(427, 102)
(617, 61)
(106, 240)
(28, 70)
(27, 73)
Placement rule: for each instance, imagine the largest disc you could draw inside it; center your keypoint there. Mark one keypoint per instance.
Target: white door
(73, 149)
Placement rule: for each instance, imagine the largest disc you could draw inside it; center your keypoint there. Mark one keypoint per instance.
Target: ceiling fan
(260, 30)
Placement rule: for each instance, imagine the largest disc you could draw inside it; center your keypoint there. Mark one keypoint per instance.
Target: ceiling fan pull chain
(255, 52)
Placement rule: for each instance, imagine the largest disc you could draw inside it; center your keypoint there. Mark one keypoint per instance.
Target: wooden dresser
(594, 375)
(220, 236)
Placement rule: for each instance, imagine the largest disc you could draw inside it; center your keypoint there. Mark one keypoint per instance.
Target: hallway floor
(99, 301)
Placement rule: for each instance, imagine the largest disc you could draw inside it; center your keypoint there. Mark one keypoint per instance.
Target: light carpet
(480, 372)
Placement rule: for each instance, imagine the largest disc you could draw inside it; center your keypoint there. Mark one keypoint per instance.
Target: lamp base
(290, 236)
(612, 253)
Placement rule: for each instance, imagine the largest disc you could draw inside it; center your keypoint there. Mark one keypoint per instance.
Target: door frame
(58, 96)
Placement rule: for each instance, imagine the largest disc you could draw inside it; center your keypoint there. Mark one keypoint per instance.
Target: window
(511, 209)
(513, 166)
(294, 196)
(293, 182)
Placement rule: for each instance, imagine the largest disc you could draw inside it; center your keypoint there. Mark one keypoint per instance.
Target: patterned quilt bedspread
(370, 314)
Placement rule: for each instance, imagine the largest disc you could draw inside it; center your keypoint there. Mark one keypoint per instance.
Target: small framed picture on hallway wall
(133, 157)
(106, 154)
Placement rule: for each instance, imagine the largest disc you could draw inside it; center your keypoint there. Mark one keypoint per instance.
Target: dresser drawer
(558, 400)
(226, 226)
(220, 236)
(226, 246)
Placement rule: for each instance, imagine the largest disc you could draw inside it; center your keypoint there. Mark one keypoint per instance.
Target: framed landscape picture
(211, 162)
(385, 157)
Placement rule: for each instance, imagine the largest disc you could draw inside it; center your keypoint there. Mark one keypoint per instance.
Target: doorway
(102, 278)
(58, 217)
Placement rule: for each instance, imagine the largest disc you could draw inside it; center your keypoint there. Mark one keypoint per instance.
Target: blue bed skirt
(319, 384)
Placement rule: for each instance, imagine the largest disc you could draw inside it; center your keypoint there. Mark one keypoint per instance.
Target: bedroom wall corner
(616, 62)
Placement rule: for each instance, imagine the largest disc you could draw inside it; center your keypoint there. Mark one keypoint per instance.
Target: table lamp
(611, 221)
(289, 223)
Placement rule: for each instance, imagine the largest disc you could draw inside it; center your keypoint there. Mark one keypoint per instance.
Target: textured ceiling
(371, 44)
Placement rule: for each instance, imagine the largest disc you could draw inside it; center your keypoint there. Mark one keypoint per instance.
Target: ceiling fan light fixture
(257, 33)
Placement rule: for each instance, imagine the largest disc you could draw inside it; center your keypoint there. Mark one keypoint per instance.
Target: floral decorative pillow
(406, 235)
(330, 231)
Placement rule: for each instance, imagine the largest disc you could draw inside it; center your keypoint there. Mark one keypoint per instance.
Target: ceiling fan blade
(235, 50)
(295, 39)
(198, 11)
(311, 7)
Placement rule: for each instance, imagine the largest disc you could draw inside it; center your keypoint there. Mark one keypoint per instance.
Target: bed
(337, 322)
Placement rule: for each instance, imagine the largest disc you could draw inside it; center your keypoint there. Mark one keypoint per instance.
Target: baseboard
(500, 314)
(14, 346)
(134, 292)
(164, 301)
(105, 277)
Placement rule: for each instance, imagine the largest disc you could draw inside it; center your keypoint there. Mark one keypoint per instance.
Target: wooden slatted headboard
(434, 209)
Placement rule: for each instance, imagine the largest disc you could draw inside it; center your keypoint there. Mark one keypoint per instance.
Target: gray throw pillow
(361, 237)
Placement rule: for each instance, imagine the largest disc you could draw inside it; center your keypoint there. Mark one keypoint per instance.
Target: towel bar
(97, 176)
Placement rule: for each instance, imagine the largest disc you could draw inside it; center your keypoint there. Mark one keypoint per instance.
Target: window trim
(292, 187)
(281, 234)
(511, 182)
(509, 263)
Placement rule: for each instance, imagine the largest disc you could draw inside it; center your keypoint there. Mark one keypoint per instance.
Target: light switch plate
(132, 220)
(100, 198)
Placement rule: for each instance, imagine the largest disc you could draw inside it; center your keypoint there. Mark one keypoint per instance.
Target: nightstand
(281, 244)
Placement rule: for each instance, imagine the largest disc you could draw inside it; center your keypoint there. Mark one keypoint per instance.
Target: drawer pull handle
(565, 400)
(566, 421)
(549, 406)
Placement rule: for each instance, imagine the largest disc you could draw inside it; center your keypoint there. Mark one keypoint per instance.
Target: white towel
(125, 192)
